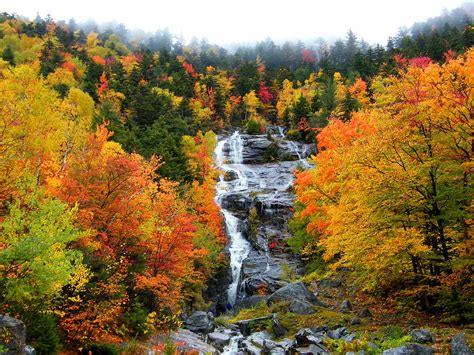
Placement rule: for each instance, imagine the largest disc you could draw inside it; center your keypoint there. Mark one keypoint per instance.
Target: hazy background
(224, 22)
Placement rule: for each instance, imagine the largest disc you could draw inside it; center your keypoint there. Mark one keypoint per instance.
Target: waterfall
(247, 181)
(239, 246)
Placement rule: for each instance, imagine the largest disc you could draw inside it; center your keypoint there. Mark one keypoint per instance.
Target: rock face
(256, 200)
(200, 322)
(294, 291)
(12, 334)
(459, 345)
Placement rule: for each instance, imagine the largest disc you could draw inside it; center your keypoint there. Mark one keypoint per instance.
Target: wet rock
(328, 283)
(294, 291)
(459, 345)
(230, 175)
(277, 328)
(236, 201)
(365, 313)
(29, 350)
(337, 333)
(219, 339)
(259, 338)
(410, 349)
(12, 334)
(249, 348)
(200, 322)
(301, 307)
(346, 306)
(422, 336)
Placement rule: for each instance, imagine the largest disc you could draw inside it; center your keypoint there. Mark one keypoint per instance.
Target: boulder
(365, 313)
(200, 322)
(301, 307)
(312, 349)
(346, 306)
(219, 339)
(349, 337)
(337, 333)
(422, 336)
(327, 283)
(355, 321)
(294, 291)
(459, 345)
(410, 349)
(306, 336)
(230, 175)
(258, 339)
(12, 334)
(277, 328)
(187, 342)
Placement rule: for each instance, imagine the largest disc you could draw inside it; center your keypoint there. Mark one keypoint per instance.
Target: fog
(245, 21)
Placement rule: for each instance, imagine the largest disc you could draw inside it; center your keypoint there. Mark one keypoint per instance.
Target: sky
(243, 21)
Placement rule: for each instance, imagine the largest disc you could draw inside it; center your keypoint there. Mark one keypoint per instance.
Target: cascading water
(252, 188)
(248, 182)
(239, 246)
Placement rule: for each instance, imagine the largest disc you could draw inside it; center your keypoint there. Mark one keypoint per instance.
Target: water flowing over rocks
(256, 201)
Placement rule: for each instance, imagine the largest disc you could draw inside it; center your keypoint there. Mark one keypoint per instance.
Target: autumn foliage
(391, 194)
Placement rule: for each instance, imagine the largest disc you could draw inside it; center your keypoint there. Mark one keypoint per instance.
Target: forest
(110, 231)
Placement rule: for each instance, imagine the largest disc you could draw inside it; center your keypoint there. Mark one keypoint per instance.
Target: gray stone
(312, 349)
(12, 334)
(29, 350)
(187, 340)
(337, 333)
(218, 339)
(259, 338)
(294, 291)
(301, 307)
(422, 336)
(346, 306)
(365, 313)
(230, 175)
(349, 337)
(410, 349)
(277, 328)
(306, 336)
(200, 322)
(355, 321)
(459, 345)
(327, 283)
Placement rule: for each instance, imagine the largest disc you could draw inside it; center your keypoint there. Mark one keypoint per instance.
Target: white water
(302, 159)
(249, 179)
(239, 246)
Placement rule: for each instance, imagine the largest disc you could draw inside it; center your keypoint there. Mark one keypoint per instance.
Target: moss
(323, 316)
